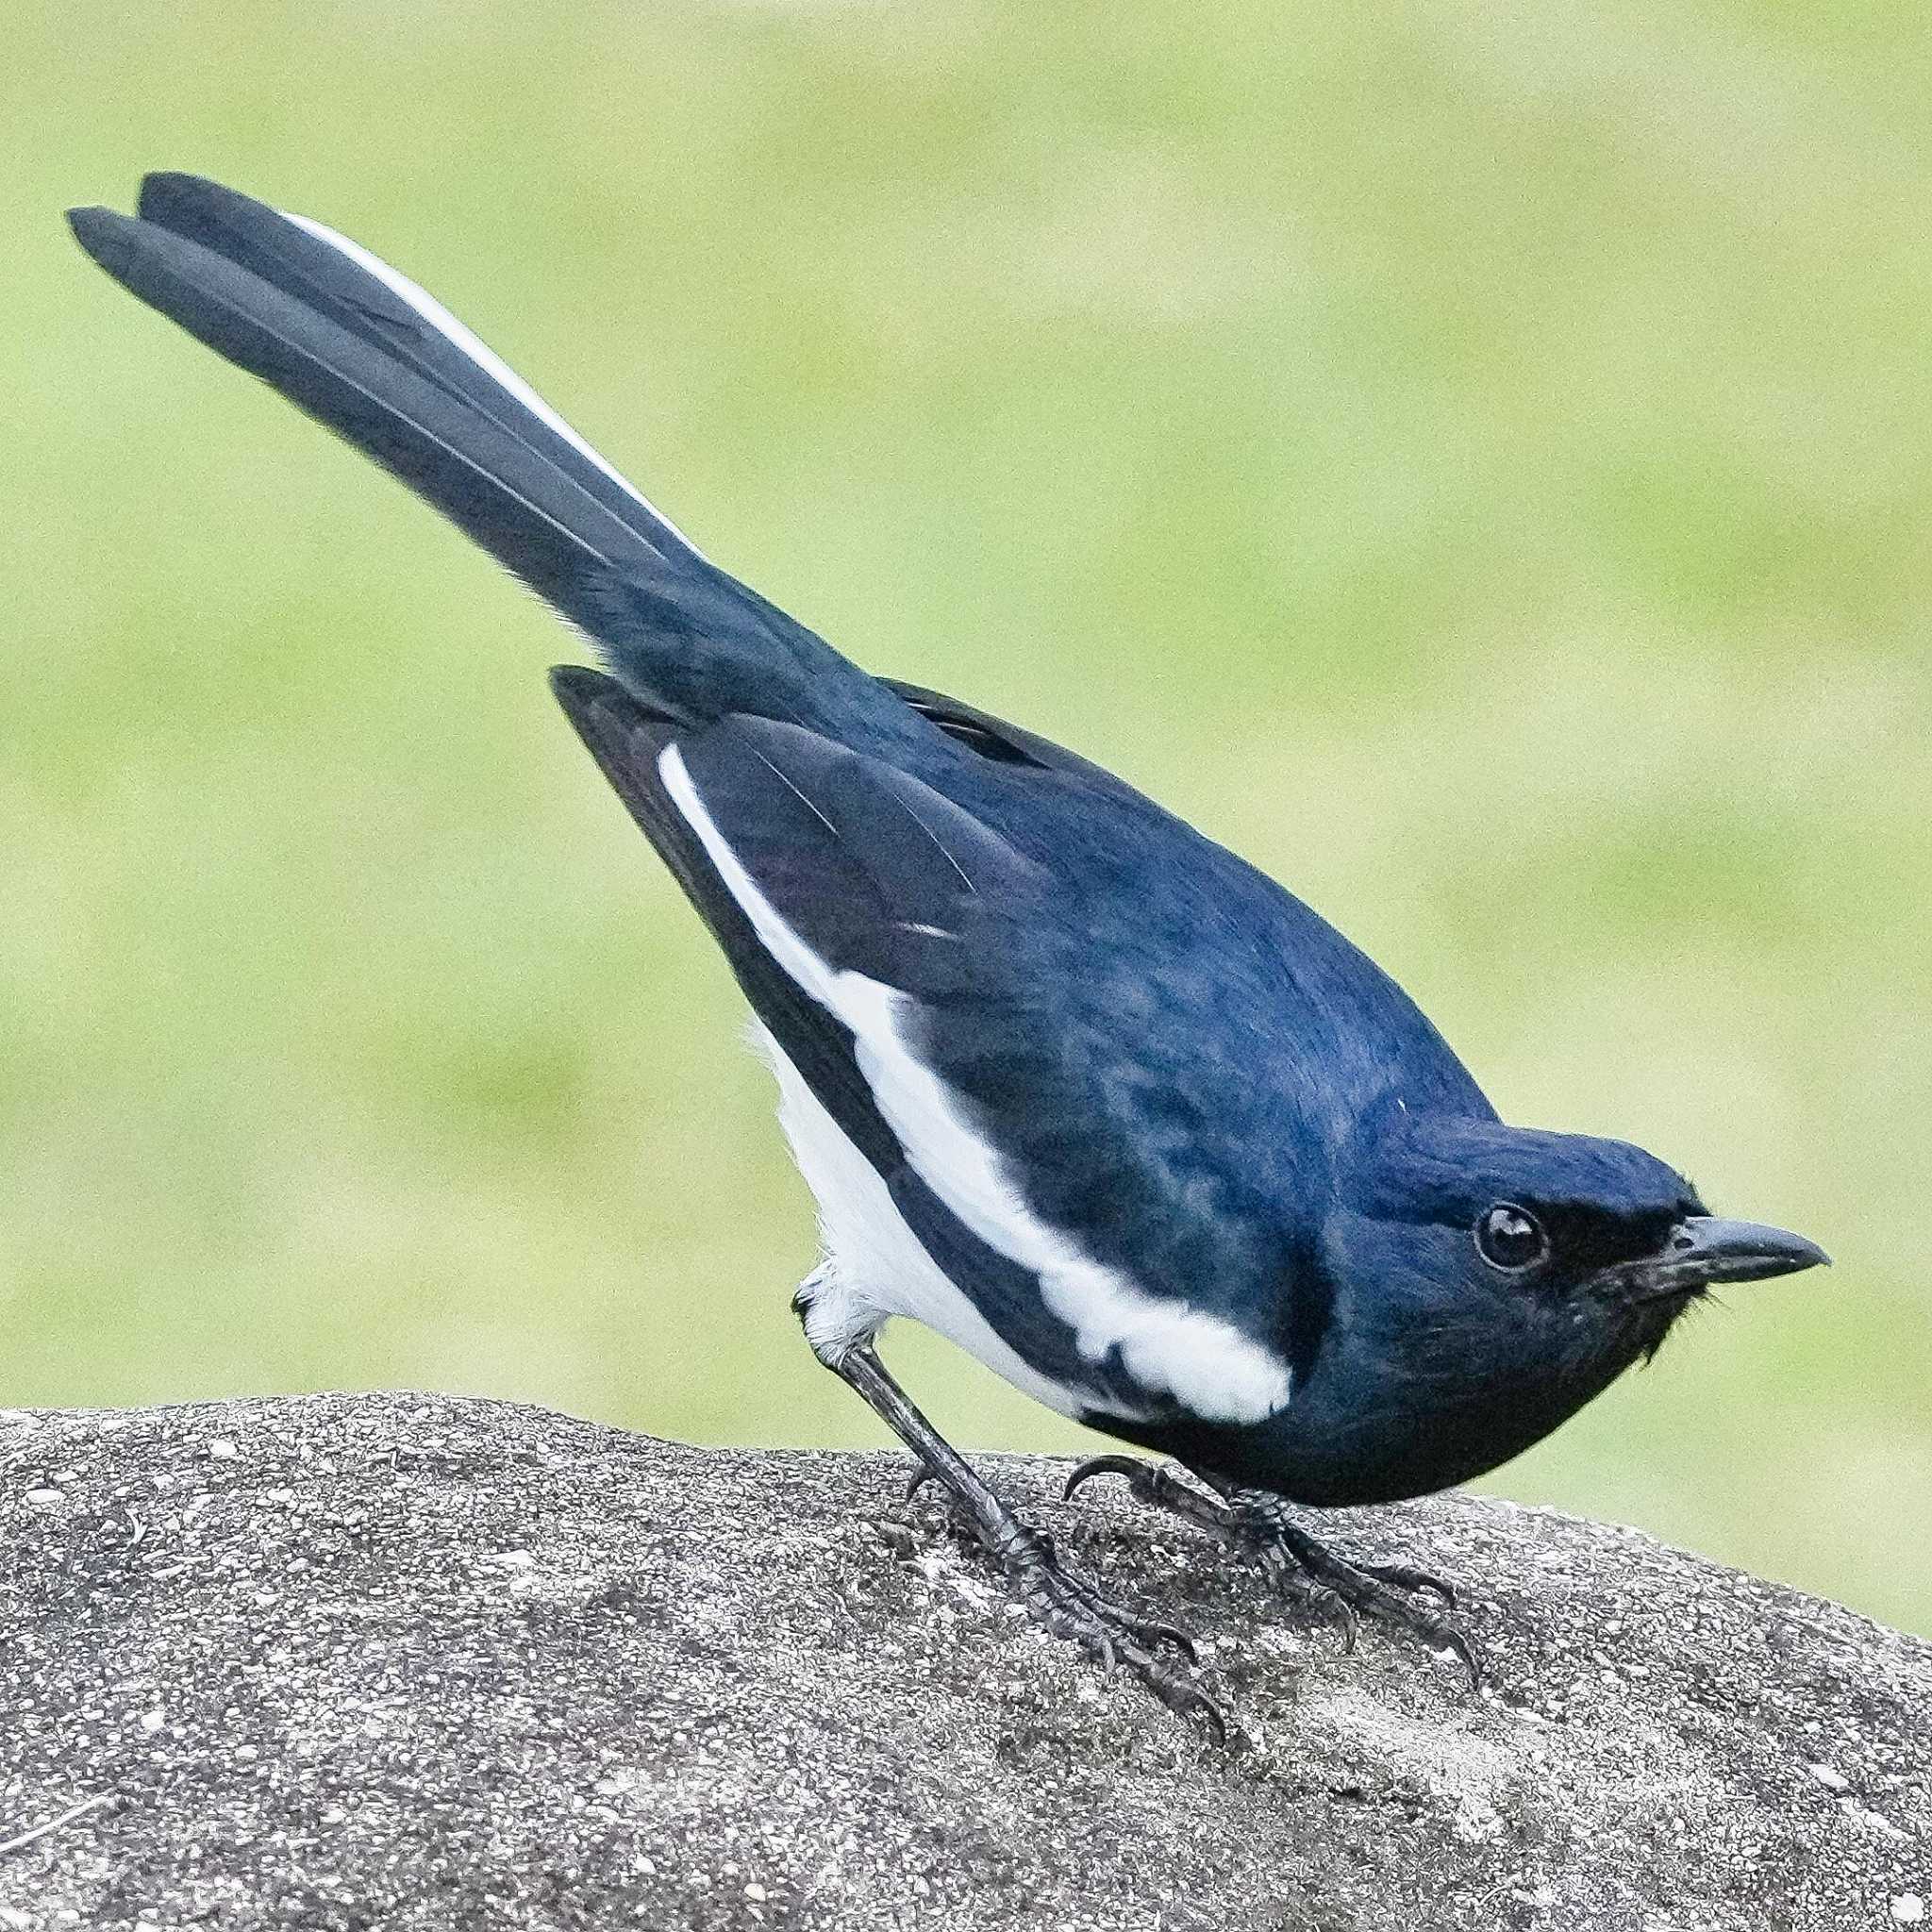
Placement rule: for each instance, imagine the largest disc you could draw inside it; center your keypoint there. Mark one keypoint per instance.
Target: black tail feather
(370, 356)
(342, 282)
(513, 499)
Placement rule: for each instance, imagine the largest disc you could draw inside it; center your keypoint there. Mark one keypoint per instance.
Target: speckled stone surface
(410, 1661)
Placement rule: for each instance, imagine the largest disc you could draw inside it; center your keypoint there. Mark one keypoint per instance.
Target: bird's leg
(1296, 1566)
(1052, 1596)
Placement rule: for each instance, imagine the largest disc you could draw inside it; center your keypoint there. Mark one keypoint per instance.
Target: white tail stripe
(445, 325)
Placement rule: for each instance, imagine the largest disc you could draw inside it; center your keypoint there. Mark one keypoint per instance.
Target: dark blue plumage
(1071, 1083)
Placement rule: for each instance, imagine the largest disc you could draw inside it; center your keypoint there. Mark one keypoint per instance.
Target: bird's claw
(1296, 1566)
(1404, 1577)
(1289, 1582)
(1067, 1606)
(1344, 1614)
(1387, 1592)
(1153, 1483)
(1153, 1631)
(1128, 1466)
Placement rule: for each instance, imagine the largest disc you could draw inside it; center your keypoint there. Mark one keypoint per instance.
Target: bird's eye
(1510, 1237)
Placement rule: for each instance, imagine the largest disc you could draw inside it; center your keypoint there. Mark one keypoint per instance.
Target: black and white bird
(1072, 1085)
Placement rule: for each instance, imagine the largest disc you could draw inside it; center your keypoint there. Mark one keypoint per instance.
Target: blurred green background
(1472, 460)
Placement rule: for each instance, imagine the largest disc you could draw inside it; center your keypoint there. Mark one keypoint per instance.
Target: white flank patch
(879, 1267)
(445, 325)
(1204, 1363)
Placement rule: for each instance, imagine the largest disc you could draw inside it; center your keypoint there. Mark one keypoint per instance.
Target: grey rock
(410, 1662)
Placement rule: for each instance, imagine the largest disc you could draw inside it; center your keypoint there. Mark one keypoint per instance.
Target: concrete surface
(411, 1661)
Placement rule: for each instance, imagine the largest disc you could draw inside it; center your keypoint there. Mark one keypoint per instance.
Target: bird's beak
(1702, 1251)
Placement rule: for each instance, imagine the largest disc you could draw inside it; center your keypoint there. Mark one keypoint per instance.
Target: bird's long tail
(372, 357)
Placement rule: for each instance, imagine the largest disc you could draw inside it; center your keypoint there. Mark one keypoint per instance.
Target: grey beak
(1703, 1250)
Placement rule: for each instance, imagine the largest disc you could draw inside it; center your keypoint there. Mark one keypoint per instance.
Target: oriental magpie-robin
(1072, 1085)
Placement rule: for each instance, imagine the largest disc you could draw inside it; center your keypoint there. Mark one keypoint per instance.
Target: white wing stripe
(1207, 1364)
(877, 1265)
(445, 325)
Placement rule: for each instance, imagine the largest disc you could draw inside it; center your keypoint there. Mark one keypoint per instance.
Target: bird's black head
(1483, 1283)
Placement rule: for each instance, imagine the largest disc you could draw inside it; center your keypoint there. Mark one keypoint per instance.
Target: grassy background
(1472, 460)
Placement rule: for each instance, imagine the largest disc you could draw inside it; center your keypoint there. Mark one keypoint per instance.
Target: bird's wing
(887, 939)
(628, 742)
(1005, 744)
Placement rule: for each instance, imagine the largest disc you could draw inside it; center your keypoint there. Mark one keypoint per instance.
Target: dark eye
(1510, 1237)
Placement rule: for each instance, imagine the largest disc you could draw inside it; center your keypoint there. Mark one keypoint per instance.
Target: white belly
(874, 1266)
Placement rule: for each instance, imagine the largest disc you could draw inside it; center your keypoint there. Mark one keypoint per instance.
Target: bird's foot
(1390, 1593)
(1067, 1606)
(1296, 1566)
